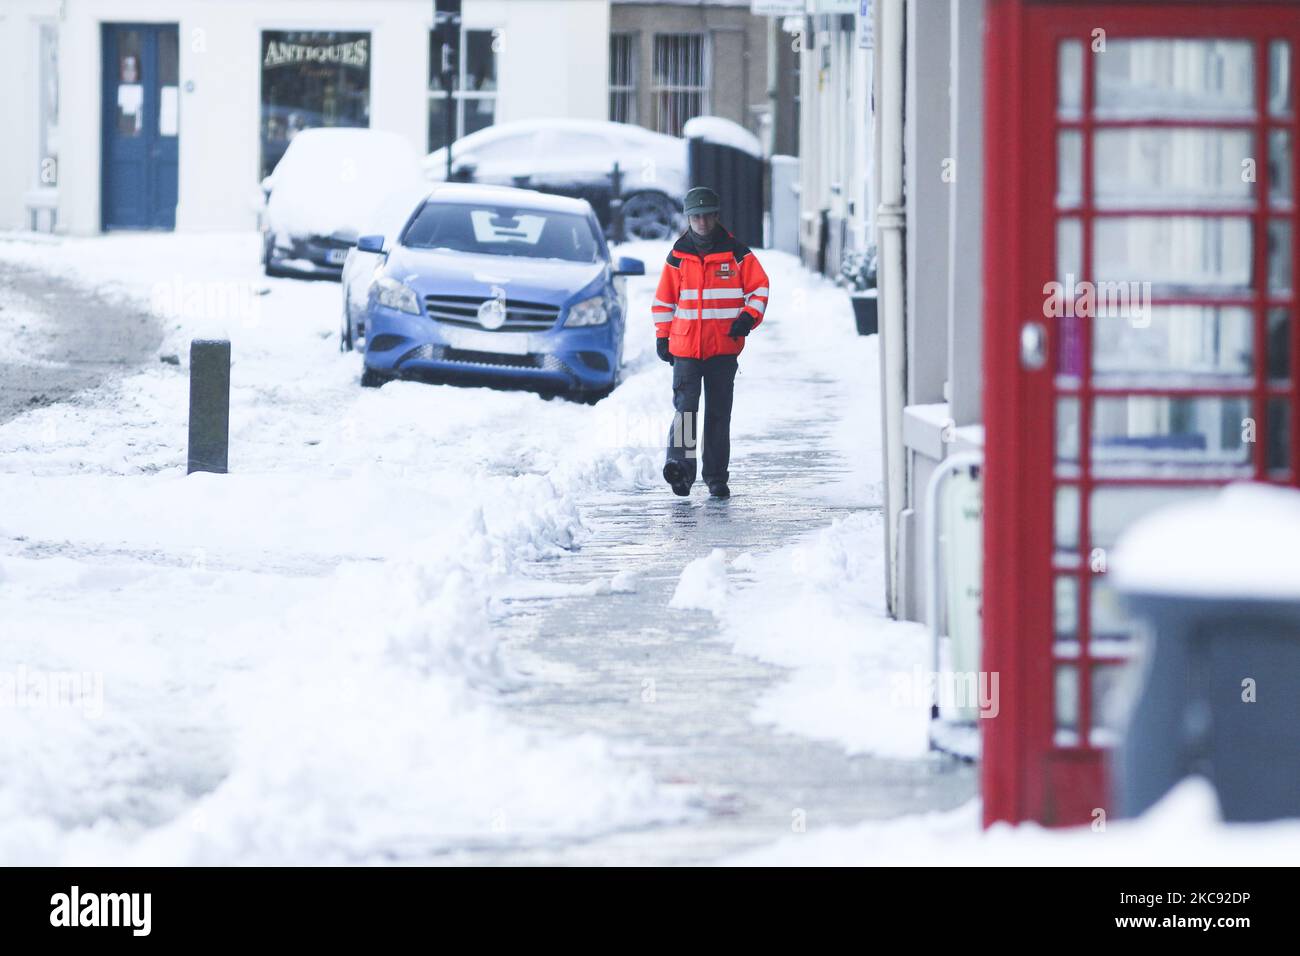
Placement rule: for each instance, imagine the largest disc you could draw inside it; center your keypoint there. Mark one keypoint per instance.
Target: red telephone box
(1140, 337)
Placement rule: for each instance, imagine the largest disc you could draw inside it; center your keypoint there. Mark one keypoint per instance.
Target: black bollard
(209, 405)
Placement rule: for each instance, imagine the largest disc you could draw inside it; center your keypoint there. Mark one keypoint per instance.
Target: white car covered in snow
(575, 158)
(326, 188)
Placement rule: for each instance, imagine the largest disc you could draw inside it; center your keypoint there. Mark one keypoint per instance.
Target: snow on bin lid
(1240, 543)
(715, 129)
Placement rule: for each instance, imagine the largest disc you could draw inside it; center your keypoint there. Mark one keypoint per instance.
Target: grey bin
(1190, 715)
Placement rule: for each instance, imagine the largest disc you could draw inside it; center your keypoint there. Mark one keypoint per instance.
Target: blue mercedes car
(496, 285)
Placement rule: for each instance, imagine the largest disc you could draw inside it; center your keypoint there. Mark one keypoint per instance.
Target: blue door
(141, 126)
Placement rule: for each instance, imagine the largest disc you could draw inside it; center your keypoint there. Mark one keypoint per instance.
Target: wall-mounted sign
(866, 28)
(832, 6)
(777, 8)
(283, 53)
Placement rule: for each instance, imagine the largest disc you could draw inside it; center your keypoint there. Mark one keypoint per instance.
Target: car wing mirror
(627, 266)
(371, 244)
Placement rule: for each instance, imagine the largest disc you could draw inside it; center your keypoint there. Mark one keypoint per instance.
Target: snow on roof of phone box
(689, 3)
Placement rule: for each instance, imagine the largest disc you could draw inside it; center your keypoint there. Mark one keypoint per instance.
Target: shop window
(311, 79)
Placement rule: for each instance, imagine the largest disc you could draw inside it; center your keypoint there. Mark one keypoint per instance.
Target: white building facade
(167, 113)
(834, 39)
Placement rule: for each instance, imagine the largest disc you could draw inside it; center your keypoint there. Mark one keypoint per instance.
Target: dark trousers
(717, 375)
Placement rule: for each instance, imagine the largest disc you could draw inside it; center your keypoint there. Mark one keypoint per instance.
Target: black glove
(741, 327)
(661, 346)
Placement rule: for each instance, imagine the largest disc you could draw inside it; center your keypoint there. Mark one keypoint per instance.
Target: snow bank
(335, 179)
(296, 662)
(724, 132)
(817, 606)
(1183, 829)
(21, 330)
(1239, 543)
(703, 584)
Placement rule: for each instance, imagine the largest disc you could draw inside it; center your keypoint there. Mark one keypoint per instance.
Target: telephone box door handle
(1033, 346)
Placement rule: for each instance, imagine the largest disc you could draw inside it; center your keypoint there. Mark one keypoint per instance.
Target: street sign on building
(832, 6)
(777, 8)
(866, 29)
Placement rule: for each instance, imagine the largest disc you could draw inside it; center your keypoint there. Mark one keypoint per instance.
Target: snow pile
(703, 584)
(296, 661)
(818, 606)
(20, 330)
(334, 179)
(1239, 543)
(340, 734)
(724, 132)
(1183, 829)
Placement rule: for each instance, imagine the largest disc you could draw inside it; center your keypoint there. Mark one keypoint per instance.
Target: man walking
(711, 295)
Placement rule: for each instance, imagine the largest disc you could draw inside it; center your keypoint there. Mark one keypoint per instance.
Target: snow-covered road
(56, 339)
(319, 656)
(438, 624)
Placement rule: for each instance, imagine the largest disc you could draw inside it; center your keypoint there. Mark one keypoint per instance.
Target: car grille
(463, 310)
(445, 353)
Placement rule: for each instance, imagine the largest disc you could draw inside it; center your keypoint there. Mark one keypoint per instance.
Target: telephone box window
(1144, 167)
(311, 79)
(1069, 104)
(1281, 189)
(1067, 615)
(1279, 256)
(1279, 82)
(1278, 457)
(1174, 345)
(1279, 345)
(1176, 78)
(1069, 169)
(1067, 704)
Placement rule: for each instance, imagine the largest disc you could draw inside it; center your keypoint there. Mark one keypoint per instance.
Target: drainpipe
(891, 223)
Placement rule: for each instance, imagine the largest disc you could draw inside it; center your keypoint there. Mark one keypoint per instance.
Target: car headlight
(587, 312)
(396, 295)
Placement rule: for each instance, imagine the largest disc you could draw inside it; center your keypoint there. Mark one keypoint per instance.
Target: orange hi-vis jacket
(698, 298)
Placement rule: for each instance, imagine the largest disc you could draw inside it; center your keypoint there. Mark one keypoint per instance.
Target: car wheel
(649, 216)
(591, 398)
(345, 331)
(372, 379)
(270, 270)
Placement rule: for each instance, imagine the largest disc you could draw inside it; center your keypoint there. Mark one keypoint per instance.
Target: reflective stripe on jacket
(698, 298)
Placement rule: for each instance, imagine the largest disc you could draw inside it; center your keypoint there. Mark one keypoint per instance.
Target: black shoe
(719, 489)
(675, 475)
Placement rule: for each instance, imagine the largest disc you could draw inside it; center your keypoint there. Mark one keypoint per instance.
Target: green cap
(700, 200)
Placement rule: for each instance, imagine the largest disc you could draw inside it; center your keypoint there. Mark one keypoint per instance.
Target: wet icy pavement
(56, 339)
(668, 691)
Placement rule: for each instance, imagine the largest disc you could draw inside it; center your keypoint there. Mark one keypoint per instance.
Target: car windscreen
(502, 230)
